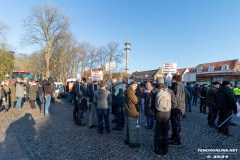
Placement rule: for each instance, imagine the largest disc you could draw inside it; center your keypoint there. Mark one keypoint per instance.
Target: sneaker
(174, 143)
(134, 145)
(232, 124)
(93, 126)
(165, 155)
(227, 134)
(155, 154)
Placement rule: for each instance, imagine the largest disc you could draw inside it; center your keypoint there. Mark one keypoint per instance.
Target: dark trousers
(223, 115)
(212, 115)
(176, 118)
(103, 113)
(203, 105)
(161, 135)
(120, 116)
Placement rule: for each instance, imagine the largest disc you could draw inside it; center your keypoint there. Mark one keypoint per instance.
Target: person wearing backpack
(165, 100)
(178, 111)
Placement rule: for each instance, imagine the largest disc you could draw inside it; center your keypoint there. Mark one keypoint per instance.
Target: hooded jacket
(131, 101)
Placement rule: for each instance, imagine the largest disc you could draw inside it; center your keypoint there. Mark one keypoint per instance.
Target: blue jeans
(19, 102)
(190, 104)
(103, 113)
(6, 106)
(47, 104)
(150, 120)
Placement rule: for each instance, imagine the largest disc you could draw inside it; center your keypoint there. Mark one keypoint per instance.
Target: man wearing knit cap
(226, 104)
(177, 112)
(131, 131)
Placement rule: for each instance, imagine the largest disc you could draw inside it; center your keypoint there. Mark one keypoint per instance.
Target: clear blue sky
(188, 32)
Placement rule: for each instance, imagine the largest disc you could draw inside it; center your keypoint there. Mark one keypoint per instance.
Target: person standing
(103, 101)
(19, 94)
(33, 94)
(79, 92)
(147, 110)
(41, 96)
(226, 104)
(118, 102)
(177, 112)
(47, 89)
(196, 94)
(165, 101)
(191, 93)
(5, 92)
(13, 97)
(93, 116)
(131, 130)
(211, 103)
(203, 99)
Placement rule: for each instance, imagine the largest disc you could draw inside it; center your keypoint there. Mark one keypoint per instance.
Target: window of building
(199, 69)
(211, 68)
(225, 67)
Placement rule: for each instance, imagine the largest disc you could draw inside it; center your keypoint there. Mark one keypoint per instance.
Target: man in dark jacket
(93, 116)
(162, 123)
(47, 89)
(226, 104)
(118, 102)
(211, 103)
(177, 113)
(191, 93)
(203, 99)
(79, 92)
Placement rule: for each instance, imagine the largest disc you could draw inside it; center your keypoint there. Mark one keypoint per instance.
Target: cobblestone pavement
(27, 134)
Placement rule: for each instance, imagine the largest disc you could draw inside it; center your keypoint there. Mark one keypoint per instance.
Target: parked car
(59, 92)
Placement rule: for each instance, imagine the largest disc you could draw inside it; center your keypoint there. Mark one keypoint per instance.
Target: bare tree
(114, 54)
(45, 27)
(102, 56)
(3, 31)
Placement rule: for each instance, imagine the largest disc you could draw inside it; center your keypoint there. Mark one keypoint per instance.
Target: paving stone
(56, 137)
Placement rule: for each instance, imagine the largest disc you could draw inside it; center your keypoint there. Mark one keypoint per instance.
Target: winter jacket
(33, 91)
(19, 90)
(225, 99)
(13, 92)
(178, 90)
(47, 88)
(131, 101)
(210, 97)
(118, 93)
(102, 99)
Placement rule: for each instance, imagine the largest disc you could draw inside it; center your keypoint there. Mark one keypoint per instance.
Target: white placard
(169, 68)
(110, 66)
(97, 75)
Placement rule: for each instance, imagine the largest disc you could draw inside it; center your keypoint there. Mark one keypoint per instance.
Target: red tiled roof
(217, 65)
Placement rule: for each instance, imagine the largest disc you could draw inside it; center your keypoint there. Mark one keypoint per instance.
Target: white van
(59, 92)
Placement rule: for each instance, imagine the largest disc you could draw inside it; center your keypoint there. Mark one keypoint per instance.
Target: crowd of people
(15, 94)
(162, 105)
